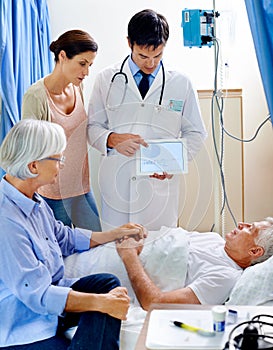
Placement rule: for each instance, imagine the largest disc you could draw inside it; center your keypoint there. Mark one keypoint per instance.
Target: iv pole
(218, 222)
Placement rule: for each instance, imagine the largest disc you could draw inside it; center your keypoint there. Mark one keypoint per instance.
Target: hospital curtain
(24, 54)
(260, 15)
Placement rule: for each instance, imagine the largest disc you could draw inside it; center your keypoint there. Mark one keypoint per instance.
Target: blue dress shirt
(137, 75)
(33, 290)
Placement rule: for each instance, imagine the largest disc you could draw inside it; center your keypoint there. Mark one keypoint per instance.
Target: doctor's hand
(161, 177)
(126, 144)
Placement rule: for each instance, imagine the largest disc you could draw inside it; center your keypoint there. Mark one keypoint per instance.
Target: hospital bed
(169, 247)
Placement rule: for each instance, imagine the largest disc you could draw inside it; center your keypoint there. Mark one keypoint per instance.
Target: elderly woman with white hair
(37, 302)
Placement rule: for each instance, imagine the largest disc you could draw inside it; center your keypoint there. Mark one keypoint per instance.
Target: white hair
(27, 141)
(265, 240)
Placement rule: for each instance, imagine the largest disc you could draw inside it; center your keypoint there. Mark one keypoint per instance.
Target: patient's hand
(129, 246)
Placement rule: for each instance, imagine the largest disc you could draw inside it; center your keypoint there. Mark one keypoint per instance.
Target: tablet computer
(162, 155)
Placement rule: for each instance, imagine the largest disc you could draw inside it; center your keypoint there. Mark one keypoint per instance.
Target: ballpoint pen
(197, 330)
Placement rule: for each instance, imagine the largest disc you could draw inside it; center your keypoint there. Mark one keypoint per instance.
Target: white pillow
(255, 286)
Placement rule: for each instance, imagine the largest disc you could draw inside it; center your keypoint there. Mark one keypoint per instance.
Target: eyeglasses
(60, 160)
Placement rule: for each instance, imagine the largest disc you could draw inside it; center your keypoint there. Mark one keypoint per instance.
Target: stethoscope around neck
(124, 75)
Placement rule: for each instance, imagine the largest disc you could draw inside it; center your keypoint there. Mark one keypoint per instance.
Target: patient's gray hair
(265, 240)
(27, 141)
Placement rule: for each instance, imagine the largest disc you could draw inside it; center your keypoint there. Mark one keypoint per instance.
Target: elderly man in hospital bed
(177, 266)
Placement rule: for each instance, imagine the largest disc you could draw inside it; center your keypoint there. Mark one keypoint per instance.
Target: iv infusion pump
(198, 27)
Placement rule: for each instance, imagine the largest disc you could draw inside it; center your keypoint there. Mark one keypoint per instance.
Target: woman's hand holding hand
(131, 230)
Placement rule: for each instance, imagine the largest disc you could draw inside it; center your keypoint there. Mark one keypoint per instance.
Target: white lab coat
(125, 196)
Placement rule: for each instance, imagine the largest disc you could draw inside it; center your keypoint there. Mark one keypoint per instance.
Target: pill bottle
(219, 318)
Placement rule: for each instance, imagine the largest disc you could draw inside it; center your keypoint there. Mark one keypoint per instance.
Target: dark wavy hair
(73, 42)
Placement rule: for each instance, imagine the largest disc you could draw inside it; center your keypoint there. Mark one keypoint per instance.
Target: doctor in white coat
(121, 119)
